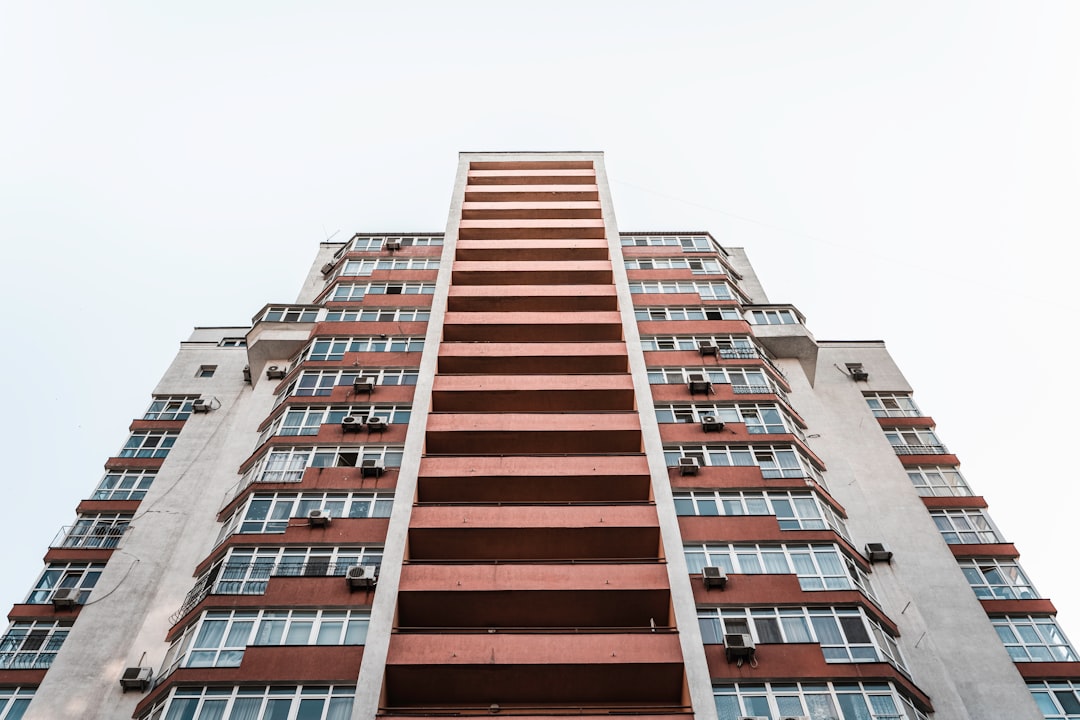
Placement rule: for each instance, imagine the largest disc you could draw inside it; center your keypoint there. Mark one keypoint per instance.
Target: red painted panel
(915, 422)
(969, 501)
(418, 577)
(531, 298)
(1034, 606)
(534, 516)
(1049, 670)
(998, 550)
(694, 327)
(26, 611)
(533, 649)
(107, 506)
(345, 479)
(156, 425)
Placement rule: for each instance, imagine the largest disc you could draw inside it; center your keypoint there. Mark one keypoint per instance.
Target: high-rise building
(533, 466)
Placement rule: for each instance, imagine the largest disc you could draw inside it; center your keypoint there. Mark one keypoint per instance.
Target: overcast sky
(908, 172)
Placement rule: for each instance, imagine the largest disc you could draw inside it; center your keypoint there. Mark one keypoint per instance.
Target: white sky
(899, 171)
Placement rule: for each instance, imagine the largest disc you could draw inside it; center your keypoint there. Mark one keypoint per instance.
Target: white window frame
(334, 349)
(281, 508)
(819, 567)
(813, 699)
(1033, 638)
(965, 526)
(997, 579)
(715, 290)
(364, 267)
(698, 266)
(753, 415)
(732, 347)
(124, 485)
(688, 243)
(915, 441)
(32, 644)
(793, 509)
(287, 463)
(290, 313)
(377, 314)
(149, 444)
(169, 407)
(938, 481)
(777, 316)
(1057, 699)
(312, 418)
(81, 576)
(372, 243)
(355, 292)
(775, 461)
(892, 405)
(334, 702)
(98, 530)
(703, 312)
(845, 634)
(247, 570)
(14, 700)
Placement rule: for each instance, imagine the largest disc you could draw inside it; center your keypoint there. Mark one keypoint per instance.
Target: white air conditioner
(370, 468)
(877, 552)
(688, 466)
(318, 518)
(352, 423)
(711, 423)
(64, 598)
(275, 372)
(362, 577)
(376, 423)
(363, 384)
(136, 678)
(738, 646)
(714, 577)
(392, 243)
(200, 406)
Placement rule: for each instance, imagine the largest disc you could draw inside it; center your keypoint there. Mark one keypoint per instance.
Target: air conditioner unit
(714, 577)
(200, 406)
(376, 423)
(275, 372)
(136, 678)
(370, 468)
(795, 717)
(65, 598)
(318, 518)
(363, 384)
(327, 268)
(352, 423)
(708, 348)
(858, 372)
(711, 423)
(877, 552)
(688, 466)
(392, 243)
(738, 646)
(699, 384)
(362, 577)
(753, 717)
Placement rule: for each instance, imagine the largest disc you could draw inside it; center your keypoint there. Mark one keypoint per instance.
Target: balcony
(104, 535)
(921, 450)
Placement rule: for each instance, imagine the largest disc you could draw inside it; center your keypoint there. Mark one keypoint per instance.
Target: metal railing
(921, 449)
(101, 535)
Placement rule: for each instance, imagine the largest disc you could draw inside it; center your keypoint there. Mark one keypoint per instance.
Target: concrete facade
(610, 476)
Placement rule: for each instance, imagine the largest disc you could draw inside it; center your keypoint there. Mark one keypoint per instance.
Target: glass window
(255, 703)
(149, 444)
(32, 645)
(124, 485)
(993, 579)
(1031, 638)
(79, 578)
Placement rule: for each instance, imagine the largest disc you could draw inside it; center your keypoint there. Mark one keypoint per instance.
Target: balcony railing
(103, 535)
(25, 660)
(921, 449)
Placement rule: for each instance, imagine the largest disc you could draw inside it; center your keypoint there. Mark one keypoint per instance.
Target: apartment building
(533, 465)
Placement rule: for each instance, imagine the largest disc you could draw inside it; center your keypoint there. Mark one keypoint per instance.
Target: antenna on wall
(329, 237)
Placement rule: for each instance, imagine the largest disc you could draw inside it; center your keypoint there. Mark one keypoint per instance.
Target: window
(794, 510)
(772, 317)
(358, 268)
(846, 635)
(274, 702)
(246, 571)
(79, 576)
(997, 579)
(169, 408)
(287, 464)
(892, 405)
(321, 383)
(818, 567)
(102, 530)
(233, 342)
(219, 637)
(1057, 699)
(354, 292)
(759, 418)
(934, 480)
(705, 290)
(699, 266)
(964, 526)
(368, 243)
(32, 645)
(335, 348)
(149, 444)
(13, 702)
(732, 347)
(915, 441)
(688, 243)
(308, 420)
(124, 485)
(271, 512)
(775, 461)
(206, 371)
(1030, 638)
(708, 312)
(378, 315)
(819, 701)
(743, 381)
(291, 313)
